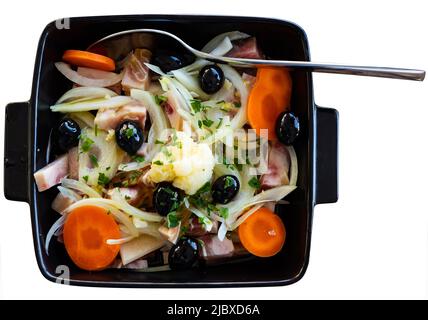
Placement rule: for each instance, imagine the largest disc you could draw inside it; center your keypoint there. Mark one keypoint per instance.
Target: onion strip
(294, 168)
(86, 92)
(92, 104)
(80, 186)
(110, 79)
(57, 225)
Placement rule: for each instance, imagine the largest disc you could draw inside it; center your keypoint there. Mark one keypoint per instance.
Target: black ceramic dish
(27, 134)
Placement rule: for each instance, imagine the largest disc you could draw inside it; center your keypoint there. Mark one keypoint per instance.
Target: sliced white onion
(244, 217)
(224, 47)
(119, 241)
(149, 216)
(86, 92)
(155, 69)
(58, 224)
(80, 186)
(294, 168)
(110, 78)
(92, 104)
(69, 193)
(120, 203)
(84, 119)
(190, 82)
(221, 234)
(232, 35)
(132, 166)
(240, 118)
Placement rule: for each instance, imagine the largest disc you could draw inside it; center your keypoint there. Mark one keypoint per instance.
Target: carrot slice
(86, 231)
(263, 233)
(269, 97)
(88, 59)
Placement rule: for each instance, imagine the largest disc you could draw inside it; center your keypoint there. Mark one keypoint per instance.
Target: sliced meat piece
(246, 48)
(73, 163)
(213, 247)
(136, 72)
(133, 195)
(278, 167)
(61, 202)
(197, 229)
(107, 119)
(51, 175)
(139, 247)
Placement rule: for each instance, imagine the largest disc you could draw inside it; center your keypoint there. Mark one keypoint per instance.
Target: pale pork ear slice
(107, 119)
(51, 175)
(213, 247)
(278, 167)
(139, 247)
(136, 72)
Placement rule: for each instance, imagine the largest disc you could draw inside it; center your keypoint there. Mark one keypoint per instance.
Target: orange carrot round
(263, 233)
(88, 59)
(86, 231)
(269, 97)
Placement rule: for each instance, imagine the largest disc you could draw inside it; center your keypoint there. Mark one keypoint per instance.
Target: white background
(373, 243)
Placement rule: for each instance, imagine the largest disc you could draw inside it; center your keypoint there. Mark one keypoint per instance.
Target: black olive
(287, 128)
(211, 78)
(184, 254)
(129, 136)
(224, 189)
(166, 198)
(67, 134)
(168, 61)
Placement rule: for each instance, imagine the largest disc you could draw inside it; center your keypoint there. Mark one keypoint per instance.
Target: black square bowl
(27, 133)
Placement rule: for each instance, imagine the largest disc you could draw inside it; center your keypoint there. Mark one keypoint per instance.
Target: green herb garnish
(158, 163)
(160, 99)
(139, 159)
(254, 183)
(172, 219)
(228, 181)
(85, 178)
(207, 122)
(237, 104)
(224, 212)
(86, 143)
(219, 123)
(94, 160)
(103, 179)
(159, 142)
(96, 130)
(129, 132)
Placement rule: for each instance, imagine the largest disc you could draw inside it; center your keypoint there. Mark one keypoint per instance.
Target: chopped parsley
(219, 123)
(160, 99)
(96, 130)
(85, 178)
(86, 143)
(127, 197)
(129, 132)
(94, 160)
(158, 163)
(207, 122)
(254, 183)
(108, 168)
(159, 142)
(237, 104)
(139, 159)
(172, 219)
(197, 105)
(224, 212)
(229, 182)
(199, 124)
(103, 179)
(220, 102)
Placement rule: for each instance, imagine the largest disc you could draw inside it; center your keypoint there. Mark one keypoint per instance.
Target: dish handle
(16, 151)
(326, 155)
